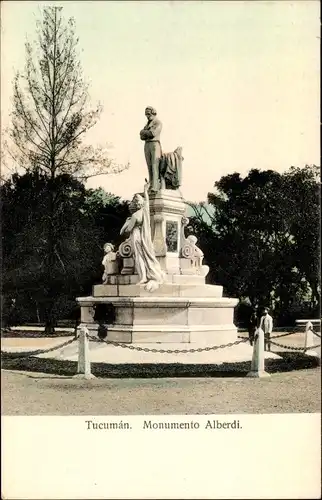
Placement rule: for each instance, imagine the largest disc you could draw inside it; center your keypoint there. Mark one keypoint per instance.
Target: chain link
(168, 351)
(27, 354)
(292, 348)
(24, 355)
(281, 335)
(284, 335)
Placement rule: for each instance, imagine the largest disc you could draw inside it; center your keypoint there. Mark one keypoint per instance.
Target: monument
(150, 134)
(156, 280)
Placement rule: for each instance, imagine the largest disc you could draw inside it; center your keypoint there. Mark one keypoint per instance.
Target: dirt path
(27, 393)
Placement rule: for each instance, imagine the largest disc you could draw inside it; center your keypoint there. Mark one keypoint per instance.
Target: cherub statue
(191, 256)
(109, 262)
(138, 228)
(197, 253)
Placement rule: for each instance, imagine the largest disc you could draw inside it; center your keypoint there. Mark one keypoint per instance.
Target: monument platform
(183, 309)
(227, 358)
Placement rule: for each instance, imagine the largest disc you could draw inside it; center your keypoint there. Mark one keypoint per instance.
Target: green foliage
(46, 285)
(108, 213)
(262, 241)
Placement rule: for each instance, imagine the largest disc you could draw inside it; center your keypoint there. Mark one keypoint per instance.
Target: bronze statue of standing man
(150, 134)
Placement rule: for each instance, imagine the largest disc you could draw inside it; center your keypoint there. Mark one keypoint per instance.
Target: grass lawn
(40, 386)
(159, 391)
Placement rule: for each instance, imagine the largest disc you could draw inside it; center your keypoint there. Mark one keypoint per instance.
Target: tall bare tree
(51, 116)
(51, 112)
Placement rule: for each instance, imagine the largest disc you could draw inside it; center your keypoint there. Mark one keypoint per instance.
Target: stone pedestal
(258, 359)
(183, 309)
(167, 208)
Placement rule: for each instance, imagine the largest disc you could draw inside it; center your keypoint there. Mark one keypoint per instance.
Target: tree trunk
(315, 296)
(49, 328)
(37, 313)
(50, 320)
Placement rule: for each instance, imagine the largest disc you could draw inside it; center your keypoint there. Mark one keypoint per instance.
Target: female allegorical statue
(138, 227)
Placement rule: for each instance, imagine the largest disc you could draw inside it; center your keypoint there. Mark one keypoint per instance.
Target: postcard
(160, 304)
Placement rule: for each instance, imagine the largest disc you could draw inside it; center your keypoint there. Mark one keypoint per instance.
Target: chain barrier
(292, 348)
(36, 352)
(27, 354)
(279, 336)
(168, 351)
(200, 349)
(284, 335)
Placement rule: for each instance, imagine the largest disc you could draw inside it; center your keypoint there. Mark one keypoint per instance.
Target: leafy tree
(50, 118)
(84, 220)
(305, 204)
(108, 213)
(257, 240)
(25, 211)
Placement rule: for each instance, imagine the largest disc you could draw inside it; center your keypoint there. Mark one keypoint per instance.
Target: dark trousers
(251, 335)
(267, 337)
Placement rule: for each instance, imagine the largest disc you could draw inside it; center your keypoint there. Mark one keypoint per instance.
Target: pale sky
(236, 84)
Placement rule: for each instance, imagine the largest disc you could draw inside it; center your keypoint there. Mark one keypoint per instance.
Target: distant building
(205, 211)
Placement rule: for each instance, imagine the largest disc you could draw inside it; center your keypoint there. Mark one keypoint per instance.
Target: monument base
(258, 374)
(183, 314)
(84, 376)
(190, 312)
(235, 358)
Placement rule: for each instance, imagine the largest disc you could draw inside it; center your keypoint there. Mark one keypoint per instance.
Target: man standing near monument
(253, 325)
(266, 324)
(152, 148)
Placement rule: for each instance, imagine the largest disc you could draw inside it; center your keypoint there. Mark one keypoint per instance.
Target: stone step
(132, 279)
(165, 290)
(103, 353)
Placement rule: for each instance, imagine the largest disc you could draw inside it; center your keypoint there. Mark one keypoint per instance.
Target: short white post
(258, 359)
(84, 363)
(309, 340)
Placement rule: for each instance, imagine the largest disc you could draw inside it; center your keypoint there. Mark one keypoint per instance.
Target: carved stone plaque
(172, 234)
